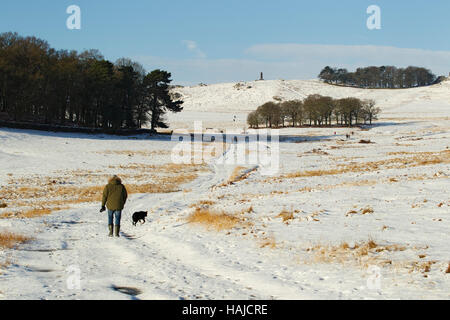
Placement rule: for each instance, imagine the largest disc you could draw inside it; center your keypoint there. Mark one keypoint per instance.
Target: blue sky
(217, 41)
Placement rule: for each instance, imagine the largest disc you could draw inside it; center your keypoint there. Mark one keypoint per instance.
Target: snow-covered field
(217, 104)
(340, 220)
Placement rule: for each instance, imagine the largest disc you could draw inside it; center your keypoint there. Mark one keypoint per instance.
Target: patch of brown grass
(164, 185)
(424, 267)
(286, 215)
(51, 193)
(217, 220)
(366, 210)
(10, 240)
(132, 153)
(314, 173)
(364, 253)
(30, 213)
(248, 210)
(202, 204)
(3, 205)
(448, 269)
(417, 159)
(239, 173)
(344, 246)
(236, 174)
(318, 151)
(164, 168)
(4, 265)
(399, 153)
(268, 242)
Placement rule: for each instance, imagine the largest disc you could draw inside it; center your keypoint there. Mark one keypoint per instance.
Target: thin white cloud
(192, 46)
(294, 61)
(353, 56)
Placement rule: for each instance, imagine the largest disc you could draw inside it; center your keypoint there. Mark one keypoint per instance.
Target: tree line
(42, 85)
(379, 77)
(314, 110)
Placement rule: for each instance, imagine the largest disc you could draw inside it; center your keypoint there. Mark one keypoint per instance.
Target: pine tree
(158, 98)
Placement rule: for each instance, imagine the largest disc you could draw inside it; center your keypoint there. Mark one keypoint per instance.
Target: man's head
(115, 180)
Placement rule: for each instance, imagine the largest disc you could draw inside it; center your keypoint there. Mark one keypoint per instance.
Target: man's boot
(110, 227)
(117, 230)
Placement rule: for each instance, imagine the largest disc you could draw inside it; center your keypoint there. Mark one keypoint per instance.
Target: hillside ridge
(248, 95)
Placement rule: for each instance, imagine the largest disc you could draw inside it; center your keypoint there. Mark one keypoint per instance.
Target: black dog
(139, 216)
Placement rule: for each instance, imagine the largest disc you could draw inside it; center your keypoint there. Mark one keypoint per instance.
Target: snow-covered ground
(217, 104)
(340, 220)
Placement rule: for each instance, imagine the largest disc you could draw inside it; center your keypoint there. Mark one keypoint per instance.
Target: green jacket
(114, 195)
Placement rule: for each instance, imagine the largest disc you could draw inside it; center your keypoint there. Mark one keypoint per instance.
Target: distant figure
(261, 76)
(114, 198)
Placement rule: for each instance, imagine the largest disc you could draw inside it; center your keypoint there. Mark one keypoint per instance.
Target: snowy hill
(247, 96)
(213, 103)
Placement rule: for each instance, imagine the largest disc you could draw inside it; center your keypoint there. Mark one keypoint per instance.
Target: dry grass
(399, 153)
(363, 254)
(248, 210)
(132, 153)
(286, 215)
(165, 186)
(10, 240)
(239, 173)
(358, 183)
(217, 220)
(366, 210)
(268, 242)
(314, 173)
(314, 216)
(424, 267)
(202, 203)
(164, 168)
(32, 213)
(418, 159)
(236, 174)
(319, 187)
(318, 151)
(3, 205)
(4, 265)
(36, 196)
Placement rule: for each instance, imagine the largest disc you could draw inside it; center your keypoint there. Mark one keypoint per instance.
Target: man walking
(114, 198)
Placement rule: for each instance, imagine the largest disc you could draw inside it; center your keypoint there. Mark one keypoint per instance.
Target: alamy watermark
(73, 22)
(374, 20)
(73, 280)
(374, 279)
(251, 147)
